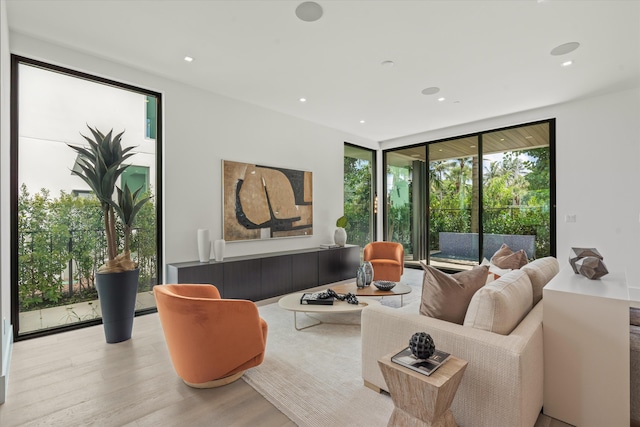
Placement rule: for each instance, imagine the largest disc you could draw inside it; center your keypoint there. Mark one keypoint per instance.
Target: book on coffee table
(424, 366)
(314, 299)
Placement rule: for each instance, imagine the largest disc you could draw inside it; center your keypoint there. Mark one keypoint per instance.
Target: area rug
(314, 376)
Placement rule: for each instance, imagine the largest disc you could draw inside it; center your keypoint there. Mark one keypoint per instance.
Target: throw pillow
(506, 258)
(501, 305)
(447, 296)
(540, 272)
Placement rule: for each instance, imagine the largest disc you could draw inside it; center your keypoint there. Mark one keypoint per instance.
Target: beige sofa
(503, 383)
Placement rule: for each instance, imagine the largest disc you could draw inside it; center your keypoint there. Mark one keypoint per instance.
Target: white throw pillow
(500, 305)
(540, 272)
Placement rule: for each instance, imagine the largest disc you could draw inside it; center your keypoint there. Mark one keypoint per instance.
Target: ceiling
(489, 58)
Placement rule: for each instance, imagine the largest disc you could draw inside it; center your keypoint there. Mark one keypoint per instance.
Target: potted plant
(100, 166)
(340, 235)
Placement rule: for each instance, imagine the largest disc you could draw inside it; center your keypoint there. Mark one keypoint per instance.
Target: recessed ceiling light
(563, 49)
(567, 63)
(430, 90)
(442, 98)
(362, 121)
(528, 137)
(303, 100)
(309, 11)
(472, 146)
(415, 155)
(188, 59)
(387, 64)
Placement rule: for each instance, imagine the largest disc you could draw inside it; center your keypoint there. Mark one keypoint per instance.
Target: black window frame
(16, 60)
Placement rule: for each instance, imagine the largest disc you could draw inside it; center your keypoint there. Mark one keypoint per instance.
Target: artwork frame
(262, 202)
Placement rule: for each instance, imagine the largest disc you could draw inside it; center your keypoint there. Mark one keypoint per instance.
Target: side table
(422, 400)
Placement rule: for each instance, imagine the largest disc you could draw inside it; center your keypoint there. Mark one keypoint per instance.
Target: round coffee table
(291, 302)
(371, 291)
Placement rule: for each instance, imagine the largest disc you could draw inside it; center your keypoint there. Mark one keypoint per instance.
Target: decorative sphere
(422, 345)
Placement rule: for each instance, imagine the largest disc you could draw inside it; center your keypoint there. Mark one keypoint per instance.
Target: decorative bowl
(384, 285)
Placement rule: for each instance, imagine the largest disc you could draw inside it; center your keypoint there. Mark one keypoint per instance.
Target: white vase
(340, 236)
(218, 249)
(204, 245)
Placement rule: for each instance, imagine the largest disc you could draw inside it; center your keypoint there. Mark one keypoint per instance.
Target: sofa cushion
(501, 305)
(540, 272)
(507, 259)
(446, 296)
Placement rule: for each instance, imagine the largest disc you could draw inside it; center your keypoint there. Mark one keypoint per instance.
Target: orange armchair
(211, 341)
(387, 259)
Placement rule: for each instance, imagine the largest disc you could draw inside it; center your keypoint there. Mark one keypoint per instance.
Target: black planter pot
(117, 295)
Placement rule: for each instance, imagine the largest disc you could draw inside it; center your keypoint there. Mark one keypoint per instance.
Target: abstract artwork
(266, 202)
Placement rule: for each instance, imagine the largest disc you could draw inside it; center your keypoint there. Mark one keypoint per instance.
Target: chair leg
(216, 383)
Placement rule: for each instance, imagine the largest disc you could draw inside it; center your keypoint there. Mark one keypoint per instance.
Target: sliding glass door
(455, 202)
(359, 194)
(406, 200)
(517, 183)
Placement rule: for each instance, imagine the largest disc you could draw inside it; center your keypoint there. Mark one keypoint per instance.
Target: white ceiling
(489, 58)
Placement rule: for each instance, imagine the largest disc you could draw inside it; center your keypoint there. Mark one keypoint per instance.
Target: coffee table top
(291, 302)
(371, 290)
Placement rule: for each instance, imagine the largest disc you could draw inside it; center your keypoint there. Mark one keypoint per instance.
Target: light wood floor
(76, 379)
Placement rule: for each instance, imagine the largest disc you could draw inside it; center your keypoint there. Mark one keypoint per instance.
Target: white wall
(6, 334)
(201, 129)
(55, 110)
(598, 172)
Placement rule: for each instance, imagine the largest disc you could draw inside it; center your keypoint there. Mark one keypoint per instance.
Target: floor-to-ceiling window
(453, 200)
(464, 197)
(405, 201)
(58, 227)
(360, 199)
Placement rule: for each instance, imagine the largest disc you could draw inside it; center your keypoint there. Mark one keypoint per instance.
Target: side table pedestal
(422, 400)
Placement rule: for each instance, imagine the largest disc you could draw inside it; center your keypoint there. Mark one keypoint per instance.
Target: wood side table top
(371, 290)
(443, 374)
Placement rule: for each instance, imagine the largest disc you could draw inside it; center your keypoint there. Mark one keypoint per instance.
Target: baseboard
(6, 363)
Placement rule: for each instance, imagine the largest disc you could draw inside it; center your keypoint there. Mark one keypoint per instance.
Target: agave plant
(101, 165)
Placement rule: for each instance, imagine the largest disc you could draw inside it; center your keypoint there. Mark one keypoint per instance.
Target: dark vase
(361, 277)
(368, 269)
(117, 295)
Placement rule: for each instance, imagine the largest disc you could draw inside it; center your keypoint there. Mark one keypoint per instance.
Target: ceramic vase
(361, 277)
(368, 269)
(204, 245)
(340, 236)
(218, 249)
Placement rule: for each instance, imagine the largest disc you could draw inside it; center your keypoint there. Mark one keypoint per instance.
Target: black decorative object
(350, 298)
(368, 269)
(578, 253)
(591, 267)
(422, 345)
(384, 285)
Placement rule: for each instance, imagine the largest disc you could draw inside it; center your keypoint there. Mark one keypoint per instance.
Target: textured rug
(314, 375)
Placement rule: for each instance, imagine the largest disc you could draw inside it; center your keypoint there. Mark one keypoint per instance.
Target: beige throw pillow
(506, 258)
(501, 305)
(540, 272)
(446, 296)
